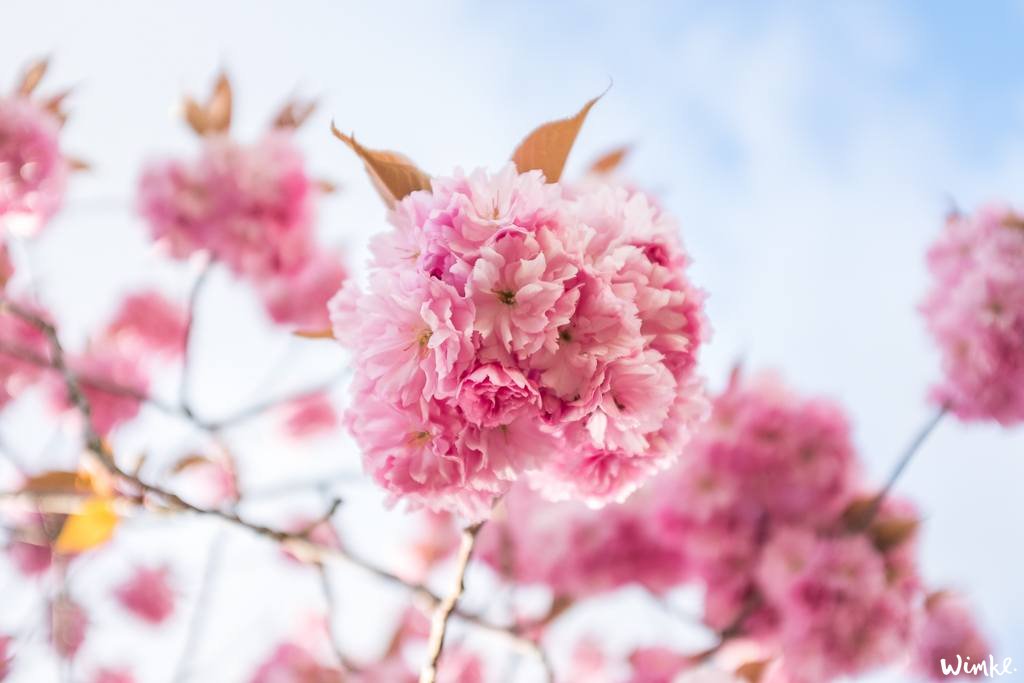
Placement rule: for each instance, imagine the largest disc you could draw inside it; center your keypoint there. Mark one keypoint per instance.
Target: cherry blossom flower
(249, 206)
(975, 313)
(577, 552)
(841, 614)
(33, 172)
(300, 298)
(657, 665)
(5, 657)
(947, 630)
(68, 626)
(31, 559)
(310, 415)
(151, 322)
(106, 675)
(513, 328)
(291, 663)
(147, 594)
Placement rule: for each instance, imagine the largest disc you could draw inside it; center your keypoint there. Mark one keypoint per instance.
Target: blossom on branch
(512, 328)
(975, 313)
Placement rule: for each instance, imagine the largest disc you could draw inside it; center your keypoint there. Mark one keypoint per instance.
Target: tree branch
(296, 542)
(444, 609)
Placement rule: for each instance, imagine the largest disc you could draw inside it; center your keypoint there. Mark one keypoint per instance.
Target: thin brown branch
(184, 397)
(444, 609)
(193, 637)
(901, 465)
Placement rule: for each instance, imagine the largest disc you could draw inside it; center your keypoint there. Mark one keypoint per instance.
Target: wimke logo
(987, 668)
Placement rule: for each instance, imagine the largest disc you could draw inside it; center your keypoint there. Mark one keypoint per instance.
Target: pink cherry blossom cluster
(612, 547)
(252, 208)
(305, 658)
(948, 630)
(766, 512)
(33, 171)
(515, 327)
(975, 311)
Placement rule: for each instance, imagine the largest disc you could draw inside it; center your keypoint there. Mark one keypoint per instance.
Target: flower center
(506, 296)
(419, 438)
(424, 339)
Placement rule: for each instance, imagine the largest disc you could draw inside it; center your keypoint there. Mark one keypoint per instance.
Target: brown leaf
(32, 77)
(189, 461)
(315, 334)
(753, 671)
(78, 165)
(215, 115)
(326, 186)
(54, 105)
(890, 533)
(394, 175)
(547, 148)
(294, 113)
(218, 109)
(56, 482)
(856, 514)
(610, 160)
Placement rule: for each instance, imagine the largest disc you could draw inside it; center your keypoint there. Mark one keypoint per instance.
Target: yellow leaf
(91, 526)
(394, 175)
(609, 161)
(547, 148)
(315, 334)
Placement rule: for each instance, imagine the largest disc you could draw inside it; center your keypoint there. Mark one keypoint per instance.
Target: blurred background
(810, 151)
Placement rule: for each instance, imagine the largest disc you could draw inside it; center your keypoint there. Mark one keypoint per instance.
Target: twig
(260, 407)
(193, 301)
(444, 609)
(908, 455)
(330, 603)
(294, 541)
(194, 634)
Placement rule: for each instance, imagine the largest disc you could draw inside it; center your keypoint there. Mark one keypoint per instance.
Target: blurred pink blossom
(975, 312)
(113, 676)
(147, 594)
(68, 626)
(33, 173)
(310, 415)
(249, 206)
(300, 298)
(947, 630)
(151, 322)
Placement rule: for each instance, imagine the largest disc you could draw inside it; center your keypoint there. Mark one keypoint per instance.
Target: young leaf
(547, 148)
(33, 75)
(56, 482)
(393, 174)
(294, 113)
(315, 334)
(610, 160)
(215, 115)
(753, 671)
(92, 525)
(890, 533)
